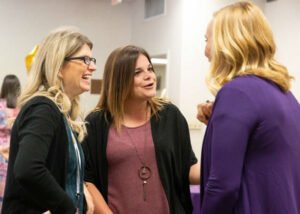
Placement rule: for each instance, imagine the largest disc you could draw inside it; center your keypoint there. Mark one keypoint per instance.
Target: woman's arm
(234, 118)
(194, 175)
(36, 129)
(89, 201)
(100, 205)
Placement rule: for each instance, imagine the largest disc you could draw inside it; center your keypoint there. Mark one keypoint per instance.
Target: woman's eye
(137, 72)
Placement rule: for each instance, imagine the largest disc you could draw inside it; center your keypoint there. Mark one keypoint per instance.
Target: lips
(86, 76)
(149, 85)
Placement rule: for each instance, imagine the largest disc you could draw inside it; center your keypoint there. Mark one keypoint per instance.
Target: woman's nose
(92, 67)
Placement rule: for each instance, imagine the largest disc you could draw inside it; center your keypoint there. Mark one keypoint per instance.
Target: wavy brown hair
(118, 82)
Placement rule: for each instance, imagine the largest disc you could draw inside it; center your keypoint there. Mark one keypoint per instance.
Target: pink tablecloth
(195, 193)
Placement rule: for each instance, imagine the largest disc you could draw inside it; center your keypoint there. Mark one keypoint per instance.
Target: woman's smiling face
(76, 75)
(144, 83)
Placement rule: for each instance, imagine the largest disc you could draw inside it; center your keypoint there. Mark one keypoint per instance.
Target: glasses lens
(87, 60)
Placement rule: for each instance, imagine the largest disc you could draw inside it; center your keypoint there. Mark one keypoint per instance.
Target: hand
(47, 212)
(100, 205)
(89, 201)
(204, 111)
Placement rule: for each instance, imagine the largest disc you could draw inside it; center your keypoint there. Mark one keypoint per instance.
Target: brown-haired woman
(138, 151)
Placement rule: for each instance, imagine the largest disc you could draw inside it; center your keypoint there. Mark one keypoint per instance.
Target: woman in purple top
(251, 150)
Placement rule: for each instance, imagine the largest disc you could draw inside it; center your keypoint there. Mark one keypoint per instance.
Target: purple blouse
(251, 151)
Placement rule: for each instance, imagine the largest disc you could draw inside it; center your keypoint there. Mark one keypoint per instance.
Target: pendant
(144, 174)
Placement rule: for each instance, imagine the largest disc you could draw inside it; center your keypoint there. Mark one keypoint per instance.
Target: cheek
(154, 76)
(207, 51)
(138, 81)
(135, 86)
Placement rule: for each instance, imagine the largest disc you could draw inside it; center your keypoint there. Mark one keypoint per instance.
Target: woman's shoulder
(250, 85)
(39, 100)
(41, 103)
(94, 114)
(170, 110)
(97, 120)
(97, 115)
(168, 107)
(245, 82)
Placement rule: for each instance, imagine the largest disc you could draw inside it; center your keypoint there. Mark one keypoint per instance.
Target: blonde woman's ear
(60, 74)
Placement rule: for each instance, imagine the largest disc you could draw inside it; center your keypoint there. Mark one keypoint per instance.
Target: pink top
(126, 191)
(6, 114)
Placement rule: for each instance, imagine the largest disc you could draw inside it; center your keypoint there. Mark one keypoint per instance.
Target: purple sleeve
(234, 117)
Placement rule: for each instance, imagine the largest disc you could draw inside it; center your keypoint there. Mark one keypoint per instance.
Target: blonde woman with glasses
(46, 162)
(251, 150)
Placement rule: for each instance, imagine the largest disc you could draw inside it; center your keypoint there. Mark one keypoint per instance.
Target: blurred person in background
(9, 93)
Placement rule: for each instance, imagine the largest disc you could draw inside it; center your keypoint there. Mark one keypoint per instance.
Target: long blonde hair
(43, 78)
(118, 82)
(243, 44)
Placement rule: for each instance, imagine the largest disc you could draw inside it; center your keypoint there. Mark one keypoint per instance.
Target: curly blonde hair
(43, 77)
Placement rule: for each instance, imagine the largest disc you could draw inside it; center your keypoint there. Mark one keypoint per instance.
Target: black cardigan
(38, 161)
(173, 150)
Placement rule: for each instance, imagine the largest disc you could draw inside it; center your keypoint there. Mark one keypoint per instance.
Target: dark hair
(118, 81)
(118, 77)
(10, 90)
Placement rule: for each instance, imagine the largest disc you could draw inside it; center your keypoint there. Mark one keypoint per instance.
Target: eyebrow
(139, 68)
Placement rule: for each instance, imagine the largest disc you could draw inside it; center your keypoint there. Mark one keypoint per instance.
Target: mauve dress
(251, 151)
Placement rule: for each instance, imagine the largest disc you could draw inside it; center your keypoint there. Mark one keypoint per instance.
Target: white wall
(194, 65)
(284, 17)
(161, 35)
(26, 23)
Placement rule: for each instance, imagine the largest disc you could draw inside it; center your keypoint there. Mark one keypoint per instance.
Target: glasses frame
(86, 59)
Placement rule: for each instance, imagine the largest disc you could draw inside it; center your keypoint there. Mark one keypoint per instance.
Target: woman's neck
(136, 113)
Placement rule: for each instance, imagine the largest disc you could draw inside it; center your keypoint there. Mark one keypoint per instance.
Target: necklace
(144, 172)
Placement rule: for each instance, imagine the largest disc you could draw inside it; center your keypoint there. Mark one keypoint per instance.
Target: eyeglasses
(86, 59)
